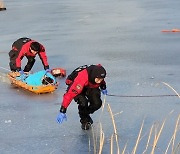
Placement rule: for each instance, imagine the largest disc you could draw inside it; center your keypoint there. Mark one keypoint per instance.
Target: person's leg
(82, 105)
(29, 64)
(12, 57)
(94, 97)
(94, 102)
(85, 119)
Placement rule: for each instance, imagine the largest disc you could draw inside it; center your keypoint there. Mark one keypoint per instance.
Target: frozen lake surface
(125, 37)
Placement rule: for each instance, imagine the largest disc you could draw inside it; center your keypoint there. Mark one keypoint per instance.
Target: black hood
(96, 71)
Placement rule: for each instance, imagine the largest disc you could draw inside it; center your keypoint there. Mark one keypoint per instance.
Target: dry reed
(155, 129)
(115, 130)
(137, 141)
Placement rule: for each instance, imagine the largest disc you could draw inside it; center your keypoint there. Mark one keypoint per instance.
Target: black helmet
(96, 71)
(99, 72)
(35, 46)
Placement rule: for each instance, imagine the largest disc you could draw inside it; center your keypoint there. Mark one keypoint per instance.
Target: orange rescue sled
(35, 89)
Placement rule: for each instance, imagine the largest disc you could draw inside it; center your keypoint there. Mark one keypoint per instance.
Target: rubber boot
(86, 123)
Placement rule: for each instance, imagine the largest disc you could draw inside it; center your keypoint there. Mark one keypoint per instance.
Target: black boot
(86, 123)
(89, 119)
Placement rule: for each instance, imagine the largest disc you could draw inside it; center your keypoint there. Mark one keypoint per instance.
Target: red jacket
(25, 51)
(77, 86)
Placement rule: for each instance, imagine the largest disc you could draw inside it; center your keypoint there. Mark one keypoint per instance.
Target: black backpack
(20, 42)
(74, 74)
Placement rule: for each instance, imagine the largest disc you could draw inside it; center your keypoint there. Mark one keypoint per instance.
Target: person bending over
(26, 47)
(85, 85)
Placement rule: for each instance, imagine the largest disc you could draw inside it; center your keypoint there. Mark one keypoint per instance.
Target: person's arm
(67, 98)
(18, 60)
(75, 89)
(103, 88)
(43, 57)
(103, 85)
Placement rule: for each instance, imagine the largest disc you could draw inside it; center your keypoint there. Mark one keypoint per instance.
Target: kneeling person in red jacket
(28, 48)
(84, 86)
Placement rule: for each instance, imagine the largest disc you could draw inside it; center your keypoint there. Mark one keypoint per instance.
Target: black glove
(103, 86)
(46, 67)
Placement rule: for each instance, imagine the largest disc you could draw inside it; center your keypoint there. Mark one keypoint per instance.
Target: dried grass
(154, 135)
